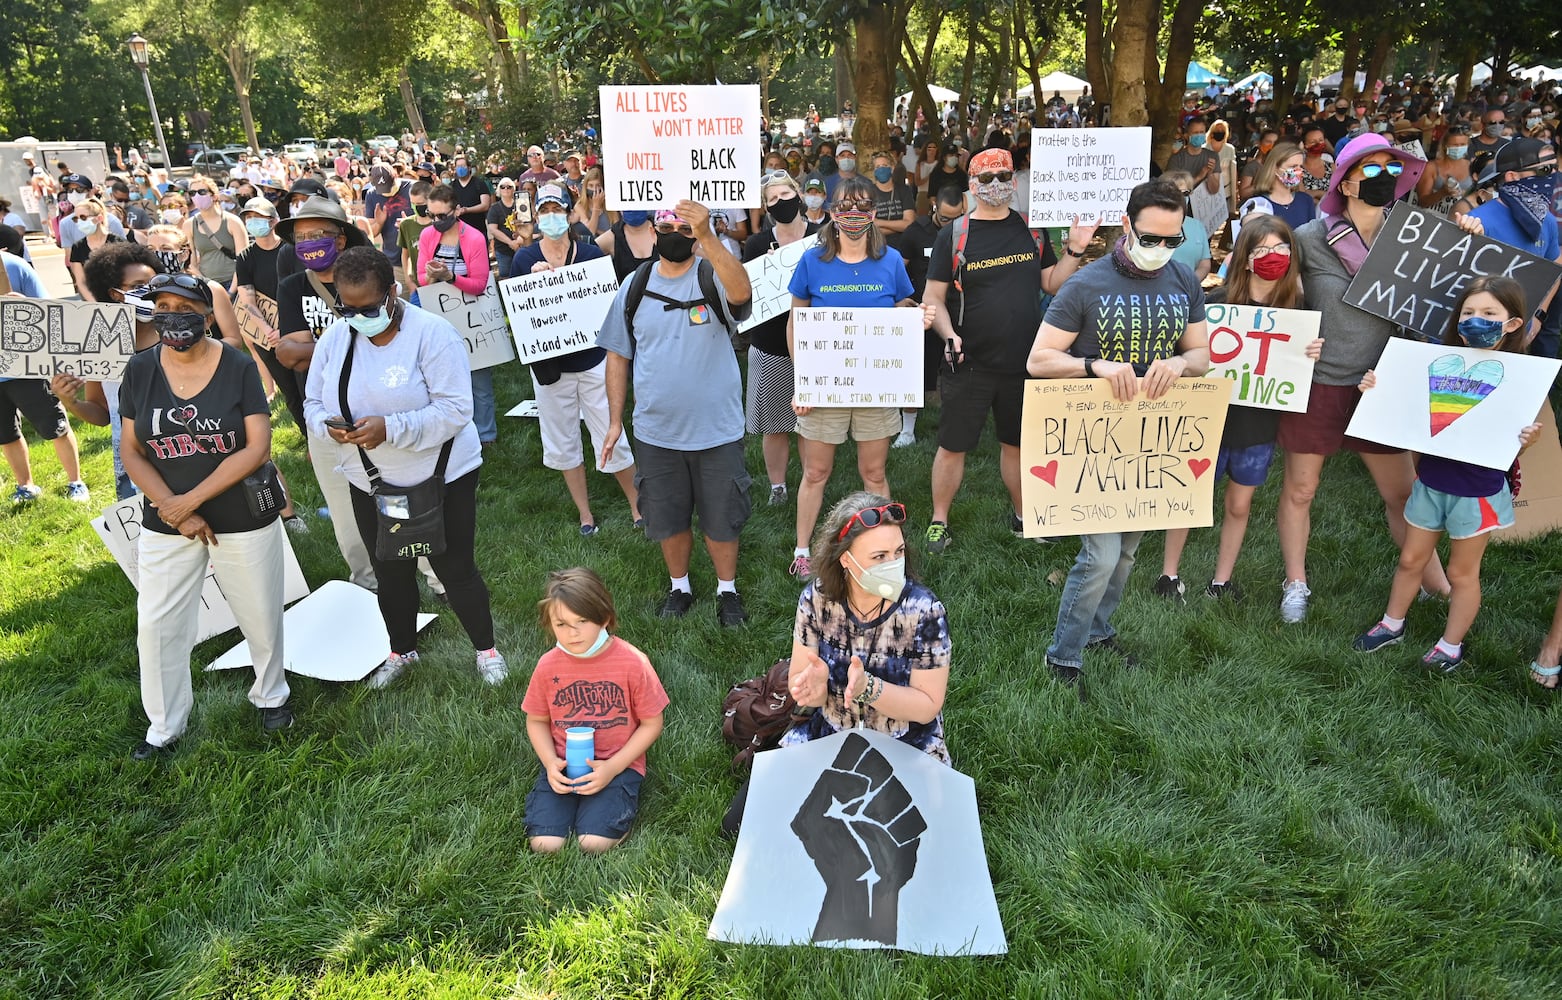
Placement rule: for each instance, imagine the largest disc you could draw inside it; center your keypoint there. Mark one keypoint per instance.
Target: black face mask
(1377, 191)
(786, 209)
(446, 224)
(674, 247)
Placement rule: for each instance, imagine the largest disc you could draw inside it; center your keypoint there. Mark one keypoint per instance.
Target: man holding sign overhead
(1136, 319)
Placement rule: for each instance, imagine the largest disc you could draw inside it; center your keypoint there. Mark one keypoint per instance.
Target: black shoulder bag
(411, 519)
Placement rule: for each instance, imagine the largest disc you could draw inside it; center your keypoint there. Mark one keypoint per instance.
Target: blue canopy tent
(1200, 76)
(1253, 79)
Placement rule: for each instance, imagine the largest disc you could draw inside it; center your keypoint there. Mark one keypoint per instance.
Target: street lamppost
(138, 55)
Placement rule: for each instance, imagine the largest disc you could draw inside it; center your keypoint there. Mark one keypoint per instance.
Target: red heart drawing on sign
(1047, 473)
(1199, 466)
(182, 415)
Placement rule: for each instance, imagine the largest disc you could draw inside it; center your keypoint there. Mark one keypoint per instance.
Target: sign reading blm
(1091, 464)
(667, 142)
(1085, 173)
(41, 338)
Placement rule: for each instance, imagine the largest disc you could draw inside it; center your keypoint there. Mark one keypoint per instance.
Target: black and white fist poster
(859, 841)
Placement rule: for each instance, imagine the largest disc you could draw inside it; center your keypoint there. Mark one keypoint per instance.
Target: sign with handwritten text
(559, 311)
(1264, 354)
(479, 319)
(666, 142)
(258, 323)
(769, 277)
(1085, 173)
(1090, 464)
(1538, 507)
(41, 338)
(857, 357)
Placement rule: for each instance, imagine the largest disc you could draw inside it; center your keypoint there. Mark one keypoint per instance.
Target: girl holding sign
(1262, 272)
(1466, 501)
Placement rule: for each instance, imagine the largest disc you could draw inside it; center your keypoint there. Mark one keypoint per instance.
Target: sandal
(1541, 675)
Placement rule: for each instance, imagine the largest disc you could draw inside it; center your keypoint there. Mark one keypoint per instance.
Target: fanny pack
(410, 519)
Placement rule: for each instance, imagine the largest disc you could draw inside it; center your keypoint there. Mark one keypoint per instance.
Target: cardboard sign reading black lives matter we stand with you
(667, 142)
(1420, 262)
(41, 338)
(1091, 464)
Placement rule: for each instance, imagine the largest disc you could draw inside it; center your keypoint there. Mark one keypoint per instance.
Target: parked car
(188, 152)
(215, 163)
(307, 140)
(339, 145)
(302, 153)
(150, 153)
(384, 143)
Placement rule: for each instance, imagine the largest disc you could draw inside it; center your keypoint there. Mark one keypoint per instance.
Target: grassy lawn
(1259, 812)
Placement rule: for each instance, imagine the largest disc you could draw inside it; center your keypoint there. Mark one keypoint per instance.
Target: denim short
(1461, 517)
(609, 813)
(1248, 466)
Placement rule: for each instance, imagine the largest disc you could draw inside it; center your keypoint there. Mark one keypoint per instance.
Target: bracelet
(1070, 251)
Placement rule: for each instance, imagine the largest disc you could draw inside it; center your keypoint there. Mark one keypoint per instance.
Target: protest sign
(41, 338)
(1538, 507)
(1092, 464)
(1263, 352)
(667, 142)
(558, 311)
(893, 835)
(857, 357)
(120, 527)
(255, 321)
(1420, 262)
(1456, 402)
(1085, 173)
(525, 408)
(334, 634)
(769, 277)
(479, 319)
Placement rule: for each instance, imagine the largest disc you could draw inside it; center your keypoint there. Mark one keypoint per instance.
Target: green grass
(1257, 813)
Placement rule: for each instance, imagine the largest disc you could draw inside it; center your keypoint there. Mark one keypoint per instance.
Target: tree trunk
(1377, 59)
(1027, 55)
(241, 68)
(919, 70)
(1466, 75)
(968, 74)
(1434, 55)
(1096, 45)
(1501, 59)
(409, 101)
(1166, 101)
(1132, 46)
(1348, 64)
(1293, 81)
(522, 59)
(843, 77)
(874, 77)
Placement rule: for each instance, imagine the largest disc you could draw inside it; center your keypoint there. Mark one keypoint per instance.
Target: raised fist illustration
(861, 829)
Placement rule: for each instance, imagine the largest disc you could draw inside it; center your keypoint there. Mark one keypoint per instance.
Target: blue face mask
(1196, 140)
(883, 174)
(1479, 331)
(371, 326)
(463, 171)
(635, 218)
(553, 224)
(1456, 152)
(596, 647)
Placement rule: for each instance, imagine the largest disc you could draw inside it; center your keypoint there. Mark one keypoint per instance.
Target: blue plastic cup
(580, 745)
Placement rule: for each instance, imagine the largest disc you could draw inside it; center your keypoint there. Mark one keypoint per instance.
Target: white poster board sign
(334, 634)
(120, 527)
(1455, 402)
(769, 277)
(857, 357)
(479, 319)
(860, 841)
(1264, 354)
(1085, 173)
(667, 142)
(41, 338)
(558, 311)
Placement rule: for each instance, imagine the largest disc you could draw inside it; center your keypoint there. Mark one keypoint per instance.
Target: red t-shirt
(610, 692)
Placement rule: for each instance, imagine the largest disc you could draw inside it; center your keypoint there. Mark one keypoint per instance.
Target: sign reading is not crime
(667, 142)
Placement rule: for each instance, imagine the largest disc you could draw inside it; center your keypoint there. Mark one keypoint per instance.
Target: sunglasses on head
(872, 517)
(771, 176)
(1152, 240)
(1393, 168)
(987, 177)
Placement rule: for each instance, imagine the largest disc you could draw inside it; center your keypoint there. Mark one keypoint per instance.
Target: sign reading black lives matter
(667, 142)
(1085, 173)
(41, 338)
(1420, 262)
(860, 841)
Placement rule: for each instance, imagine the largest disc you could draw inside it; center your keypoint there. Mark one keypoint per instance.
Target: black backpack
(710, 295)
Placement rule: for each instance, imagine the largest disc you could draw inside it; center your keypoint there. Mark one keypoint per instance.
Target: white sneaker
(78, 492)
(492, 666)
(391, 669)
(904, 439)
(1293, 602)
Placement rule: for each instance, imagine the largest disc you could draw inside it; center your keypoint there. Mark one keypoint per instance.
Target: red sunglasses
(872, 517)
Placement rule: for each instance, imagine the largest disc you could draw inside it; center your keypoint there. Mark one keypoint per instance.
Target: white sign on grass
(769, 277)
(558, 311)
(1455, 402)
(1085, 173)
(120, 528)
(41, 338)
(667, 142)
(334, 634)
(860, 841)
(479, 319)
(857, 357)
(1264, 354)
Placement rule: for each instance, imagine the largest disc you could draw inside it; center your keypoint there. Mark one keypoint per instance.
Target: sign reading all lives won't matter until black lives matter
(667, 142)
(1085, 173)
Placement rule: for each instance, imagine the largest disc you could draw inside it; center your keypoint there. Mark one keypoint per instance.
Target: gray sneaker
(492, 666)
(1293, 602)
(778, 495)
(391, 669)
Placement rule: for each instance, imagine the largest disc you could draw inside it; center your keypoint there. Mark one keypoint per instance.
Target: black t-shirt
(939, 178)
(470, 195)
(624, 259)
(256, 267)
(894, 203)
(186, 439)
(80, 251)
(299, 308)
(1002, 279)
(769, 337)
(502, 216)
(916, 246)
(1334, 129)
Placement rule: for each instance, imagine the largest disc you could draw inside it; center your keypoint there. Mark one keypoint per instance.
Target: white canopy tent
(1071, 87)
(942, 95)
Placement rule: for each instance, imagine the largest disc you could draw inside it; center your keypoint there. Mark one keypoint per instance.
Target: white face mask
(885, 580)
(1148, 258)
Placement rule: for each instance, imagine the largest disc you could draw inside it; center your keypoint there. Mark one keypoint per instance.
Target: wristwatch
(1090, 371)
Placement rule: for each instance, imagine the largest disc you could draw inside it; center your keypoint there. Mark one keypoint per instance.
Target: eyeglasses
(667, 229)
(855, 205)
(872, 517)
(1540, 169)
(369, 312)
(1393, 168)
(436, 216)
(994, 175)
(315, 234)
(1153, 240)
(1283, 249)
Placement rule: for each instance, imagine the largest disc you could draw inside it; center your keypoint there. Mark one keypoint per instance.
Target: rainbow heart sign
(1456, 390)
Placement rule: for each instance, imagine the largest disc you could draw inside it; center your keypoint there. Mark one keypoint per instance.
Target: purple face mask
(316, 255)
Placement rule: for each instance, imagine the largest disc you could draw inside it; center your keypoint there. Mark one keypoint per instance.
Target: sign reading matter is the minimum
(857, 357)
(667, 142)
(1085, 173)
